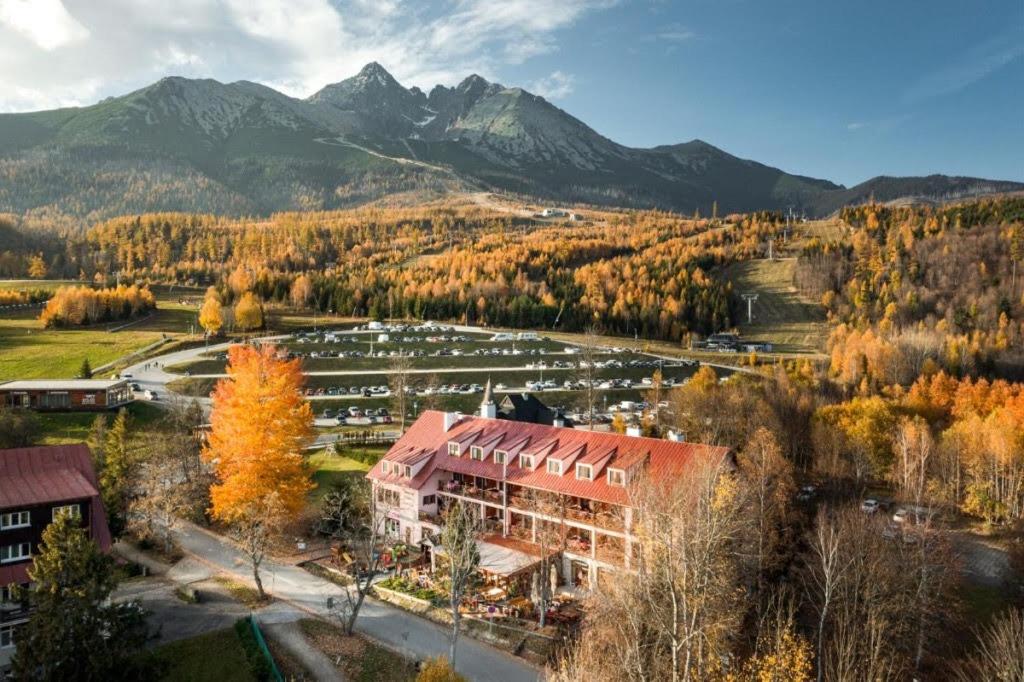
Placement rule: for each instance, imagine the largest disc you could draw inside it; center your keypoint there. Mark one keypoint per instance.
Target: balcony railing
(601, 519)
(492, 495)
(10, 612)
(610, 554)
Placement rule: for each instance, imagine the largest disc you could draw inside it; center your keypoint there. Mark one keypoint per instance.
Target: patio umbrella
(535, 587)
(554, 579)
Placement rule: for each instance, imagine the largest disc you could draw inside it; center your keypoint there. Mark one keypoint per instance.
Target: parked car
(869, 506)
(807, 493)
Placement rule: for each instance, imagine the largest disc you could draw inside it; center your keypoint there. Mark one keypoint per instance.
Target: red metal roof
(663, 458)
(49, 475)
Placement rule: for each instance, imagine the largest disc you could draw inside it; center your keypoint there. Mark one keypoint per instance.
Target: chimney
(633, 431)
(451, 419)
(559, 420)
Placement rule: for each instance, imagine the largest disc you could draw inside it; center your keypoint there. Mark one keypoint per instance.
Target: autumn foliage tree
(211, 315)
(76, 306)
(259, 425)
(248, 312)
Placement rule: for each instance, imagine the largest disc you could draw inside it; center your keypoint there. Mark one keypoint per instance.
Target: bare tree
(827, 566)
(399, 384)
(459, 540)
(768, 484)
(355, 515)
(254, 529)
(161, 498)
(549, 538)
(654, 397)
(1000, 653)
(676, 617)
(586, 372)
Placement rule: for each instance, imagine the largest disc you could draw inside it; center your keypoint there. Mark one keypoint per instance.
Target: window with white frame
(584, 472)
(385, 467)
(476, 452)
(453, 448)
(70, 509)
(616, 477)
(429, 499)
(18, 552)
(7, 636)
(500, 456)
(526, 461)
(555, 466)
(408, 471)
(18, 519)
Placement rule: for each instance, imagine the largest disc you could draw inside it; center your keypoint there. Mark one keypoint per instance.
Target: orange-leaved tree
(259, 425)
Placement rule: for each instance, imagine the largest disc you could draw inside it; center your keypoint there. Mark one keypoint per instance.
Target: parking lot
(347, 371)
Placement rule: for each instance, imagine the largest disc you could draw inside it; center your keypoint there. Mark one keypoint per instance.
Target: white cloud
(856, 125)
(555, 86)
(972, 66)
(45, 22)
(79, 51)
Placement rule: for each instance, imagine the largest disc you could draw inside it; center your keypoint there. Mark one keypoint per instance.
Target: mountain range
(244, 148)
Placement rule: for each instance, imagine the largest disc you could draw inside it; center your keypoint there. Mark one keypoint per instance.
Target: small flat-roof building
(66, 394)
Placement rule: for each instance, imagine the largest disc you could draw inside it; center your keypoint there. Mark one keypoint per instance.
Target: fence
(275, 673)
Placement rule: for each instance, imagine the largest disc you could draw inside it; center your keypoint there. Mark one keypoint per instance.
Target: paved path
(289, 635)
(413, 636)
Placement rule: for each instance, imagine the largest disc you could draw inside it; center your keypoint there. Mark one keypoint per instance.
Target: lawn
(213, 657)
(57, 428)
(330, 469)
(781, 316)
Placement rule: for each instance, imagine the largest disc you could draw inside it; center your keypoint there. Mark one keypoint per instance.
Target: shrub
(258, 664)
(438, 670)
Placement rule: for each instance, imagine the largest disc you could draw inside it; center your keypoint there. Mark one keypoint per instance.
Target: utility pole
(750, 298)
(771, 243)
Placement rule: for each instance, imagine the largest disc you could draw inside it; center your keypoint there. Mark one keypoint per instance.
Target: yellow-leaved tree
(248, 312)
(259, 425)
(211, 315)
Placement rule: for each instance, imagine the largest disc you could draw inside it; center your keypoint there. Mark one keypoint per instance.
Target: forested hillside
(914, 289)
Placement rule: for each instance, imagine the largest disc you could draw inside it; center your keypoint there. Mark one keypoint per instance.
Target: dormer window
(476, 452)
(408, 471)
(453, 448)
(385, 466)
(526, 461)
(500, 457)
(555, 467)
(584, 472)
(617, 477)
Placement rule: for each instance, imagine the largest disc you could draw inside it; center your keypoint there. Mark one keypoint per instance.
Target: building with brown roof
(499, 465)
(66, 395)
(37, 484)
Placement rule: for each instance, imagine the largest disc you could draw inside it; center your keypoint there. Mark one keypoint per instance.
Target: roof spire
(487, 408)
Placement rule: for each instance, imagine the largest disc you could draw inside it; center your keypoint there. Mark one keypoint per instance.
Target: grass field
(213, 657)
(28, 351)
(57, 428)
(330, 469)
(781, 316)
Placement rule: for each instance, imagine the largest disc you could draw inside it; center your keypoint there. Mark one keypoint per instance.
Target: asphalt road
(413, 636)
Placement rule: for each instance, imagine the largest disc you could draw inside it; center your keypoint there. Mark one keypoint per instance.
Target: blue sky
(843, 90)
(840, 90)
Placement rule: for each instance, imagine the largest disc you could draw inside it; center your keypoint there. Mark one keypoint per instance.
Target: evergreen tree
(86, 369)
(73, 632)
(120, 460)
